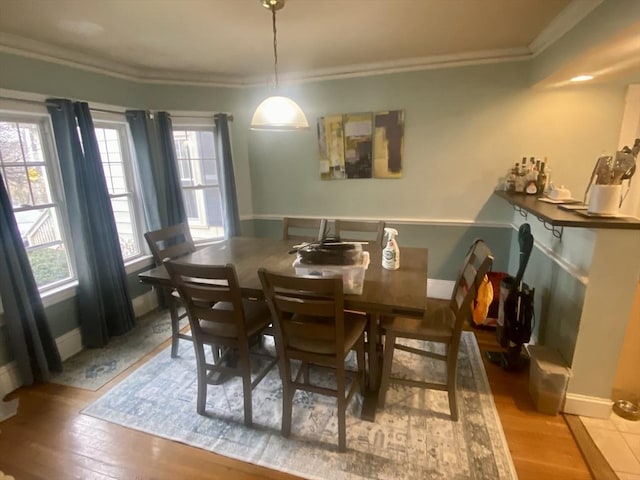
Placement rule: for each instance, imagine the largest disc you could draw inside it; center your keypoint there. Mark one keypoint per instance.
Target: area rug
(412, 438)
(94, 367)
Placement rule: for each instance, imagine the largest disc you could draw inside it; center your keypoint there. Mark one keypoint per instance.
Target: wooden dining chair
(221, 318)
(171, 243)
(359, 230)
(442, 323)
(311, 327)
(304, 229)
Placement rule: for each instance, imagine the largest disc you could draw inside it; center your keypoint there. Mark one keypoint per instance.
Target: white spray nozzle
(391, 232)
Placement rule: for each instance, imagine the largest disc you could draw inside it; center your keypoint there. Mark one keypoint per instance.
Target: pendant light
(277, 113)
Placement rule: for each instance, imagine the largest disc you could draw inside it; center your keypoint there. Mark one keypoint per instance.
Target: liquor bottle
(542, 179)
(524, 167)
(510, 184)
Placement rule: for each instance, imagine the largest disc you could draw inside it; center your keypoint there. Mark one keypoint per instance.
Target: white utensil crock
(604, 199)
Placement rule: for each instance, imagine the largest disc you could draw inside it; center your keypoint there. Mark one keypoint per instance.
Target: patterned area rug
(412, 438)
(94, 367)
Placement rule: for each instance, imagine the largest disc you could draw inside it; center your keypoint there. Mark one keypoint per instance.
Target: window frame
(191, 121)
(38, 115)
(112, 121)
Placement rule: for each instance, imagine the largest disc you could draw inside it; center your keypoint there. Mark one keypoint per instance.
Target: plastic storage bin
(548, 378)
(352, 275)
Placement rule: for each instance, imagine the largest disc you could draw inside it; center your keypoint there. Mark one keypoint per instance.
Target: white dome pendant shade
(277, 113)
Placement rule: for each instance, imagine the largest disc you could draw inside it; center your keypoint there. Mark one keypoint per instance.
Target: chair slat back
(304, 229)
(359, 230)
(305, 307)
(201, 287)
(477, 264)
(170, 242)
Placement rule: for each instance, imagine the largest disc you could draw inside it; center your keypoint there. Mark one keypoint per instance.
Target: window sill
(139, 263)
(60, 294)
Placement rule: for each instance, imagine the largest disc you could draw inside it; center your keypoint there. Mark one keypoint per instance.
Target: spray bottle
(391, 253)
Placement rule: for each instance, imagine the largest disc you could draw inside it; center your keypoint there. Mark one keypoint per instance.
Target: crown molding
(565, 21)
(29, 48)
(32, 49)
(401, 66)
(568, 18)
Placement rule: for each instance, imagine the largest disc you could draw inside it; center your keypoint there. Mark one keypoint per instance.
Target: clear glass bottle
(511, 181)
(520, 178)
(542, 179)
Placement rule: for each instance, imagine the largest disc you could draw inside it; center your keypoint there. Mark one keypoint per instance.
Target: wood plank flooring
(49, 439)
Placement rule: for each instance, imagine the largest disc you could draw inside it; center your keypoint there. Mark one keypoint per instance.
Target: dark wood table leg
(370, 401)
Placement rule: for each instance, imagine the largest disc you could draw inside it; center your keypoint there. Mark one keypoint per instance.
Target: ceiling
(231, 41)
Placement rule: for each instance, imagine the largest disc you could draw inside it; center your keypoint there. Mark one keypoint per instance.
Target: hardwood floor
(50, 439)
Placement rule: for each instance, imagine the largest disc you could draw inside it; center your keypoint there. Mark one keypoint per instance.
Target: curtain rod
(51, 104)
(229, 116)
(103, 110)
(32, 102)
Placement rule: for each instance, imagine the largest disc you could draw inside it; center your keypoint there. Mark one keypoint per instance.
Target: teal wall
(558, 296)
(603, 24)
(464, 128)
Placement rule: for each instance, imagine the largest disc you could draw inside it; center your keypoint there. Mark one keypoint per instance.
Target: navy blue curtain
(157, 168)
(228, 181)
(149, 173)
(104, 303)
(176, 212)
(32, 344)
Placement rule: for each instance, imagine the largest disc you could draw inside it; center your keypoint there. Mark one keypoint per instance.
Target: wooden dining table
(385, 292)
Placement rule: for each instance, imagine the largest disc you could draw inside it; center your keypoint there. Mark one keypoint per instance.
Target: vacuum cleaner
(515, 311)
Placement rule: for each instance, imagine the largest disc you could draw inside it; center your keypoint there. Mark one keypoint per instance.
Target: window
(116, 162)
(198, 172)
(30, 176)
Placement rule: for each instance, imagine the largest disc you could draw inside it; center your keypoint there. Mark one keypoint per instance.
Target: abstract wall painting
(331, 144)
(361, 145)
(388, 144)
(358, 145)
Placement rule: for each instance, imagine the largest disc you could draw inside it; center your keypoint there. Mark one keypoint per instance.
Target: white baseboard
(145, 303)
(9, 378)
(587, 406)
(69, 344)
(441, 289)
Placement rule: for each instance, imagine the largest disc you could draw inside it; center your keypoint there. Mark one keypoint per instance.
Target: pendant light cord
(275, 46)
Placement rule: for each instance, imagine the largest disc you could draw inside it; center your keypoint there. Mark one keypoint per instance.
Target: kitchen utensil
(629, 173)
(603, 170)
(622, 164)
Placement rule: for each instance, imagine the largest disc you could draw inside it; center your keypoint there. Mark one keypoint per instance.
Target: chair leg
(175, 327)
(361, 365)
(202, 379)
(246, 385)
(287, 402)
(389, 345)
(452, 375)
(342, 407)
